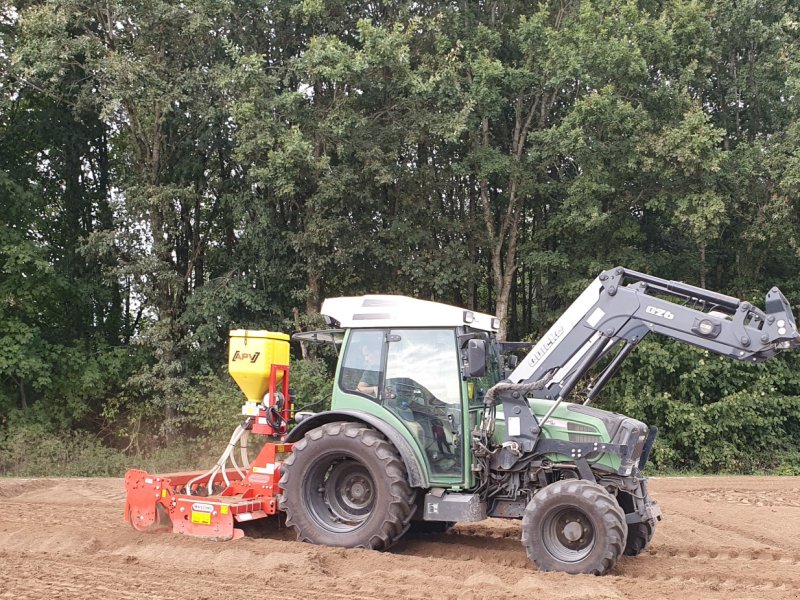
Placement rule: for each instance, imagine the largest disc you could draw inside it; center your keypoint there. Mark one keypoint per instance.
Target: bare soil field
(722, 537)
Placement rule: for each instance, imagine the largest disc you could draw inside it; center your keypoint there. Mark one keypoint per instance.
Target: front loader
(426, 428)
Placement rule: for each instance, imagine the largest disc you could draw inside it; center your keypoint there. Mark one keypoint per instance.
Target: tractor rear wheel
(344, 484)
(574, 526)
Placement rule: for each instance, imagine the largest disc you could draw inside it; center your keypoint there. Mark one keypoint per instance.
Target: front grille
(632, 434)
(574, 436)
(637, 440)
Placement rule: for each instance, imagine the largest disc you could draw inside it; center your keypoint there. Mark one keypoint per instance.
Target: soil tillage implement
(210, 503)
(432, 422)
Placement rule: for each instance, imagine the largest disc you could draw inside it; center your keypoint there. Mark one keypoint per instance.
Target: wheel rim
(340, 493)
(568, 534)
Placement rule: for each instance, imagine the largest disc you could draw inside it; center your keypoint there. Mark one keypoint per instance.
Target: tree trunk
(703, 265)
(313, 300)
(503, 234)
(298, 326)
(23, 400)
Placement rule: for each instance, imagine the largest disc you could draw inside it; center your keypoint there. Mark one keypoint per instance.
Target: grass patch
(29, 452)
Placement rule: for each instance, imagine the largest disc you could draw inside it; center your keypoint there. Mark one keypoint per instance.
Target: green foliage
(713, 414)
(212, 404)
(312, 382)
(169, 171)
(32, 451)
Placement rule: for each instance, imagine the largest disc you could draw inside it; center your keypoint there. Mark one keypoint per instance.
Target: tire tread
(400, 507)
(611, 514)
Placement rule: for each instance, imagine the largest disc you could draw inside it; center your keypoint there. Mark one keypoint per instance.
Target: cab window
(362, 364)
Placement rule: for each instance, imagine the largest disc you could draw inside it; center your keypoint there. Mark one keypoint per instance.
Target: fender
(417, 477)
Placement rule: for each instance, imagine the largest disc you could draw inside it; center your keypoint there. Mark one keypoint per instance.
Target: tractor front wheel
(345, 485)
(574, 526)
(639, 536)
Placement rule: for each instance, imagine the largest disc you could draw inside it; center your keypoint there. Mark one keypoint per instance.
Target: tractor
(433, 421)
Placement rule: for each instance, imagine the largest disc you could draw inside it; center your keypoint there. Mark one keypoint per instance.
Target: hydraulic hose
(235, 465)
(238, 433)
(490, 400)
(243, 449)
(220, 466)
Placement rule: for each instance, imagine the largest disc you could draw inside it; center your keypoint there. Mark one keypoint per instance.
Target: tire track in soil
(87, 581)
(701, 584)
(728, 553)
(780, 543)
(716, 584)
(66, 539)
(11, 488)
(724, 552)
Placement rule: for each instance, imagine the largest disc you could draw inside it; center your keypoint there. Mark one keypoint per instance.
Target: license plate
(199, 518)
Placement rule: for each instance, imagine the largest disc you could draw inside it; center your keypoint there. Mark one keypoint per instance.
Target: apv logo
(659, 312)
(246, 356)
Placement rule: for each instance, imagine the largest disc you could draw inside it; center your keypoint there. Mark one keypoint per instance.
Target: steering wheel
(408, 392)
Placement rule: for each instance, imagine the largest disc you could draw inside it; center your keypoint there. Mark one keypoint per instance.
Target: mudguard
(417, 477)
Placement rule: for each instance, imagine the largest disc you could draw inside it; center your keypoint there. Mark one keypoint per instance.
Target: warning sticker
(595, 317)
(201, 518)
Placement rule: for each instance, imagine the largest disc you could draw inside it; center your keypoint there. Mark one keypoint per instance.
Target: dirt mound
(11, 488)
(721, 538)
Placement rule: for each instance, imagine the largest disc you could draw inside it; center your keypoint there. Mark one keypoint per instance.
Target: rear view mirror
(476, 358)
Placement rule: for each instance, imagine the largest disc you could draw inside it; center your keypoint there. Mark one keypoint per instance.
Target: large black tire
(639, 534)
(345, 485)
(574, 526)
(639, 537)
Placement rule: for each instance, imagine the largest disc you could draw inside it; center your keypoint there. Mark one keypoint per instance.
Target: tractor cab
(420, 367)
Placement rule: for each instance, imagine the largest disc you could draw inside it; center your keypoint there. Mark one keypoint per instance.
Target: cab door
(423, 387)
(412, 379)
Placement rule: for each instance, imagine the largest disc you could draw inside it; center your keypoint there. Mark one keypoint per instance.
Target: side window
(479, 387)
(362, 365)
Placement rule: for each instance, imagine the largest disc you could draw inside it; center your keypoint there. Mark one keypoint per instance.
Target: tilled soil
(722, 537)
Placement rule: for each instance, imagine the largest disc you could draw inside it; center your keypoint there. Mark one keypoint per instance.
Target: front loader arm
(622, 306)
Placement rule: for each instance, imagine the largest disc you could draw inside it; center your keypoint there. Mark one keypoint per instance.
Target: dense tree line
(172, 170)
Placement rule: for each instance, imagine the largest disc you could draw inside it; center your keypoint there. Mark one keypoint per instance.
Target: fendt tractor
(428, 427)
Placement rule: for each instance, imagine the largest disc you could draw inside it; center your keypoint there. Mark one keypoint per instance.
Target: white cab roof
(402, 311)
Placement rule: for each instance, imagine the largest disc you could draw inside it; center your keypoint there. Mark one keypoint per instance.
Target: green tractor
(432, 422)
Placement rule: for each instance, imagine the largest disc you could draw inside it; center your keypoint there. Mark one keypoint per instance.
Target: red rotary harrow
(210, 503)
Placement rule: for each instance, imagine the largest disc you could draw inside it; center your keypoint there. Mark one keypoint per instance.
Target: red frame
(161, 502)
(261, 423)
